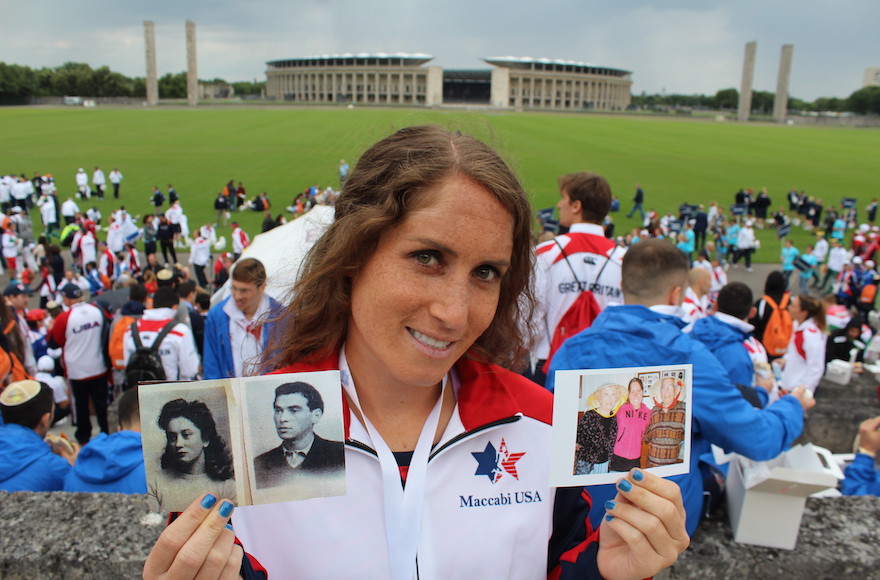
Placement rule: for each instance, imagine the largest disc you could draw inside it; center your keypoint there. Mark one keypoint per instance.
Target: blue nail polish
(226, 509)
(610, 505)
(208, 501)
(229, 527)
(608, 517)
(625, 485)
(638, 475)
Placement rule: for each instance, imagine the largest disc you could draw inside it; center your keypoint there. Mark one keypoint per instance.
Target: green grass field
(283, 150)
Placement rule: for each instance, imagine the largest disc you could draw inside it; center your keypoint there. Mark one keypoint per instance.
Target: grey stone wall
(52, 536)
(80, 535)
(839, 538)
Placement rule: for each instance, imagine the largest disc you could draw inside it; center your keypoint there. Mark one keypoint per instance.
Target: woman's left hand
(644, 529)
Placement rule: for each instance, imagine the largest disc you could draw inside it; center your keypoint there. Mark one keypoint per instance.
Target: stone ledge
(839, 538)
(47, 536)
(75, 535)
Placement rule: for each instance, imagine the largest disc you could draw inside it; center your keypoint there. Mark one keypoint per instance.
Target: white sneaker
(749, 269)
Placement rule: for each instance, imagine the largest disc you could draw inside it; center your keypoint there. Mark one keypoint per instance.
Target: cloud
(682, 46)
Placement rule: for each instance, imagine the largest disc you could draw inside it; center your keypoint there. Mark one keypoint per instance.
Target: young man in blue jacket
(646, 331)
(238, 329)
(27, 461)
(113, 463)
(725, 334)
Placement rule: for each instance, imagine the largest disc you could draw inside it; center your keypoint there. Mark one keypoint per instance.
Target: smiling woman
(415, 294)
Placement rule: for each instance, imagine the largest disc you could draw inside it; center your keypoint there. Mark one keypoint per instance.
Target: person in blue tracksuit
(238, 329)
(862, 477)
(113, 463)
(724, 334)
(646, 331)
(27, 462)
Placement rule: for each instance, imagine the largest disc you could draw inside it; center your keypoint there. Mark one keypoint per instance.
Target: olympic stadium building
(518, 83)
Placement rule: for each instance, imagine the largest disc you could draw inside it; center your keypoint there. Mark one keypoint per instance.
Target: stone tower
(780, 102)
(152, 79)
(192, 75)
(745, 91)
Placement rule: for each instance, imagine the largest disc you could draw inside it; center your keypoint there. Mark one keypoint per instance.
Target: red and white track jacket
(178, 349)
(694, 307)
(488, 513)
(556, 289)
(78, 332)
(805, 358)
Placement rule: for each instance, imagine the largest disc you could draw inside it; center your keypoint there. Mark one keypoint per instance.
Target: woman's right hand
(197, 544)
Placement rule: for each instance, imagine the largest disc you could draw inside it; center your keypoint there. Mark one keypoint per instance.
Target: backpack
(116, 344)
(579, 315)
(145, 363)
(778, 330)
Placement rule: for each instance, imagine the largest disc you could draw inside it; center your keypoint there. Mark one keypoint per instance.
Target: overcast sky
(676, 46)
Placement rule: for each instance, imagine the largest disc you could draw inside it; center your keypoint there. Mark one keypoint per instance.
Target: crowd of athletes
(86, 272)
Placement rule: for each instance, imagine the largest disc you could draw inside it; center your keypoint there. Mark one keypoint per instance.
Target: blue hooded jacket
(725, 341)
(27, 462)
(110, 463)
(217, 360)
(635, 336)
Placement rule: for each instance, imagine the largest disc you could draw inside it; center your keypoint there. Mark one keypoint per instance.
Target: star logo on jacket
(494, 464)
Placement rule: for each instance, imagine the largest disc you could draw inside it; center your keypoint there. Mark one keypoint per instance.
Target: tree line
(18, 84)
(863, 101)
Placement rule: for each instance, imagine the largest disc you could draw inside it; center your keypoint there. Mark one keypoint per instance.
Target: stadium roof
(416, 58)
(529, 63)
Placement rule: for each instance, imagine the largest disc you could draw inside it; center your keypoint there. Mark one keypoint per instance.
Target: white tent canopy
(282, 250)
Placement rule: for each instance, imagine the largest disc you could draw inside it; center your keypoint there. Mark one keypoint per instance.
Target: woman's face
(636, 393)
(185, 439)
(607, 398)
(794, 308)
(431, 287)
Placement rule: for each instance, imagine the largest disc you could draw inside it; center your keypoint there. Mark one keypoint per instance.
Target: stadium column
(780, 102)
(500, 87)
(434, 88)
(152, 80)
(192, 75)
(748, 75)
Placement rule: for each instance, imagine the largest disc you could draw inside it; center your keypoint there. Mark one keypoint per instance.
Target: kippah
(19, 393)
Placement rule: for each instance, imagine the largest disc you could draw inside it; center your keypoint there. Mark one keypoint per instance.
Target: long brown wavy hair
(385, 184)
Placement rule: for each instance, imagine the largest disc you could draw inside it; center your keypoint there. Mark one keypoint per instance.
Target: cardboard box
(765, 499)
(839, 371)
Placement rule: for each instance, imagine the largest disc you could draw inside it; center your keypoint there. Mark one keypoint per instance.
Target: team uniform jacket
(861, 476)
(178, 349)
(109, 463)
(726, 337)
(694, 307)
(587, 249)
(488, 511)
(240, 241)
(217, 360)
(27, 462)
(78, 331)
(805, 358)
(633, 335)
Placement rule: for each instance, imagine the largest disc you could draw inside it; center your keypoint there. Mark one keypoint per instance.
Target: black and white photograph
(188, 443)
(294, 434)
